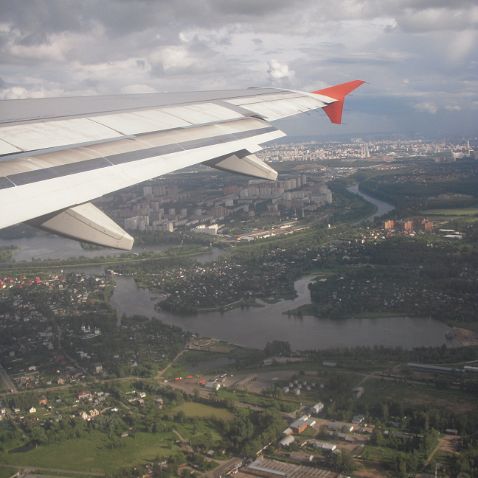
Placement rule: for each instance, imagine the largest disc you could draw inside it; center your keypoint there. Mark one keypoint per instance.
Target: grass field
(200, 427)
(202, 362)
(253, 399)
(7, 472)
(199, 410)
(378, 454)
(465, 211)
(91, 453)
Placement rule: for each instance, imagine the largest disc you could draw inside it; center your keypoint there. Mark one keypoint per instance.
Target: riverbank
(80, 263)
(462, 337)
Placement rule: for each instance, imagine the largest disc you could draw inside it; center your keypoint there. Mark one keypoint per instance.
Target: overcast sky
(419, 57)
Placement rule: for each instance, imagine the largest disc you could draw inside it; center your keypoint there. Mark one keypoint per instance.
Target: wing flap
(86, 223)
(245, 163)
(46, 189)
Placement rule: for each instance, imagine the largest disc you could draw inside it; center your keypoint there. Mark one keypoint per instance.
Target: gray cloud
(419, 54)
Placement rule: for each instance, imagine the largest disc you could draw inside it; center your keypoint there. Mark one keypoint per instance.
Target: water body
(256, 326)
(252, 327)
(382, 206)
(55, 247)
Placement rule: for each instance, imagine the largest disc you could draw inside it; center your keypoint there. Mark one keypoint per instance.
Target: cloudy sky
(419, 57)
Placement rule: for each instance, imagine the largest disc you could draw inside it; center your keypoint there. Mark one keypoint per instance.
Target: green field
(252, 399)
(378, 454)
(92, 454)
(194, 429)
(465, 211)
(199, 410)
(7, 472)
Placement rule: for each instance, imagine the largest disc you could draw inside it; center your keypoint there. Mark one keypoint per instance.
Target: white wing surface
(58, 154)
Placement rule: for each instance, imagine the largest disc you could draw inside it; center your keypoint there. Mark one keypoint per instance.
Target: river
(51, 247)
(255, 326)
(43, 247)
(382, 206)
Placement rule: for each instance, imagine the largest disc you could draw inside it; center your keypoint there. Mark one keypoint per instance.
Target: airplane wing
(58, 154)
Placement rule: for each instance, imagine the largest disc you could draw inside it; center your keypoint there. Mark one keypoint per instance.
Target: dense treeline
(404, 276)
(347, 206)
(250, 431)
(379, 355)
(422, 185)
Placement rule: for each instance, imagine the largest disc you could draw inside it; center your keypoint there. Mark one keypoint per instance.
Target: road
(181, 438)
(9, 385)
(447, 444)
(165, 369)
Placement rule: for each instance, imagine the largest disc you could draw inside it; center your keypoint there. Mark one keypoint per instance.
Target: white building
(322, 445)
(203, 229)
(286, 441)
(317, 408)
(213, 386)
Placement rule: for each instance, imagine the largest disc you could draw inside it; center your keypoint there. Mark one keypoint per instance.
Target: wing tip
(338, 93)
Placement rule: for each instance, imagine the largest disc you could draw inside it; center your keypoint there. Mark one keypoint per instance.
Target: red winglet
(338, 92)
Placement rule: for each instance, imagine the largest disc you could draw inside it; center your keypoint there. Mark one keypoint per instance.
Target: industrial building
(286, 441)
(322, 445)
(300, 425)
(266, 468)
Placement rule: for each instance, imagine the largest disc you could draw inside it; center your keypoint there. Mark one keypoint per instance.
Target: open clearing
(92, 453)
(199, 410)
